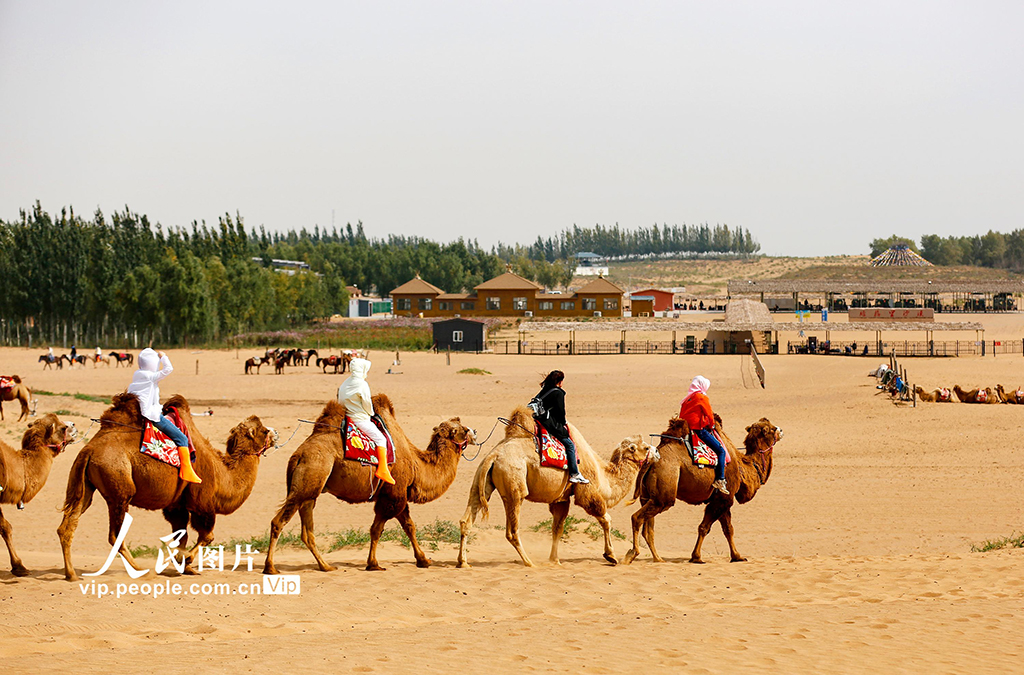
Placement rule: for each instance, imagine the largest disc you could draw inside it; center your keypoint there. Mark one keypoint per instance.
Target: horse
(122, 357)
(50, 361)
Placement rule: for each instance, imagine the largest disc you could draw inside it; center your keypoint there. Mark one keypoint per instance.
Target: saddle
(6, 383)
(1019, 394)
(700, 453)
(158, 445)
(552, 450)
(360, 448)
(944, 395)
(981, 396)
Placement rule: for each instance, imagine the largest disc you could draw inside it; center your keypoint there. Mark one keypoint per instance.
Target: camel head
(762, 436)
(633, 449)
(48, 430)
(250, 437)
(453, 432)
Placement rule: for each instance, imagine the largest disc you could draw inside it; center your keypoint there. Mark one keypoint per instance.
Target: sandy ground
(859, 547)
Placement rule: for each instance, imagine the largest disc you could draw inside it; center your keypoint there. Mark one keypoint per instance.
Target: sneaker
(720, 486)
(578, 478)
(21, 506)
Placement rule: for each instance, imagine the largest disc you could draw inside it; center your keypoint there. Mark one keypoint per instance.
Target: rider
(354, 393)
(49, 355)
(74, 353)
(696, 411)
(99, 353)
(153, 367)
(552, 396)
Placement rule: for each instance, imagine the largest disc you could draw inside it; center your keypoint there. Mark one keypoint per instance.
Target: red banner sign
(886, 314)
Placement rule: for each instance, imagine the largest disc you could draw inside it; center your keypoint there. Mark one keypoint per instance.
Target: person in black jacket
(552, 396)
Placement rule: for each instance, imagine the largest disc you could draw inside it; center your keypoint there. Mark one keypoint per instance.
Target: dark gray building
(460, 335)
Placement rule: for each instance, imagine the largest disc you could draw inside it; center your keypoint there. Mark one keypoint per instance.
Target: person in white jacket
(154, 367)
(354, 394)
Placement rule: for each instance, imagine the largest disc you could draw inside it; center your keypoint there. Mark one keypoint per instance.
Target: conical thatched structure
(899, 255)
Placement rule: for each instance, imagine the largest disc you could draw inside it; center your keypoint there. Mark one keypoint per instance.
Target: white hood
(148, 360)
(354, 392)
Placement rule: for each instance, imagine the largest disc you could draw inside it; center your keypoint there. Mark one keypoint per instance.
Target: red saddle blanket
(944, 395)
(982, 396)
(359, 447)
(552, 451)
(6, 383)
(701, 454)
(158, 445)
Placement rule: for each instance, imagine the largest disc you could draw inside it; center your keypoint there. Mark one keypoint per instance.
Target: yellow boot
(382, 465)
(186, 473)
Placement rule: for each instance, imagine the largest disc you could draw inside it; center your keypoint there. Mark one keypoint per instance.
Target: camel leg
(646, 512)
(116, 513)
(178, 519)
(382, 513)
(277, 524)
(67, 527)
(649, 538)
(606, 524)
(464, 527)
(309, 535)
(726, 521)
(17, 569)
(203, 524)
(405, 520)
(559, 512)
(712, 512)
(512, 528)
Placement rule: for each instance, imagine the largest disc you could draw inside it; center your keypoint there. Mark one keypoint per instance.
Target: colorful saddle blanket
(944, 395)
(6, 383)
(552, 451)
(982, 396)
(359, 447)
(701, 454)
(158, 445)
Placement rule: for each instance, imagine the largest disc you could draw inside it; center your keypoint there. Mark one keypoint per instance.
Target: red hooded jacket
(696, 410)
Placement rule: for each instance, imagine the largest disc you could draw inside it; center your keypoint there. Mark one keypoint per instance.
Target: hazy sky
(817, 125)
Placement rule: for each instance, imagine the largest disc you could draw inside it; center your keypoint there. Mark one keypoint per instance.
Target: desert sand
(859, 546)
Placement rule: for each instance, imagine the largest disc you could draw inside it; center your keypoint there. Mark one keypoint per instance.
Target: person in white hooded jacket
(354, 394)
(154, 367)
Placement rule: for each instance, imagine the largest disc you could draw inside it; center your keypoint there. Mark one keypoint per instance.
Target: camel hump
(178, 401)
(382, 402)
(124, 410)
(521, 424)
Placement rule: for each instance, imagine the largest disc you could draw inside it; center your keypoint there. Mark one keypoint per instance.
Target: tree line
(121, 280)
(993, 249)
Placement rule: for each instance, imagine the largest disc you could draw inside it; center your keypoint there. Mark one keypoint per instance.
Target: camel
(1014, 397)
(255, 362)
(19, 391)
(123, 357)
(23, 473)
(318, 466)
(986, 395)
(936, 395)
(674, 476)
(513, 469)
(111, 463)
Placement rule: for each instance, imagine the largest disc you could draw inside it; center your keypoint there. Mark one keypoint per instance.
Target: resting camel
(19, 391)
(111, 463)
(513, 469)
(986, 395)
(674, 476)
(23, 474)
(123, 357)
(318, 466)
(936, 395)
(1015, 397)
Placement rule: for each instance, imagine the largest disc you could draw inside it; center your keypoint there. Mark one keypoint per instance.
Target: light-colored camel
(112, 464)
(984, 396)
(1014, 397)
(936, 395)
(319, 465)
(674, 476)
(513, 469)
(19, 391)
(23, 473)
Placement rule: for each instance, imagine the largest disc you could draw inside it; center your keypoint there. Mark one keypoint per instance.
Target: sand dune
(859, 546)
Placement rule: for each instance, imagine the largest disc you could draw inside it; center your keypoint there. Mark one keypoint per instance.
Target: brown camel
(513, 469)
(19, 391)
(23, 474)
(986, 395)
(318, 466)
(1014, 397)
(936, 395)
(674, 476)
(111, 463)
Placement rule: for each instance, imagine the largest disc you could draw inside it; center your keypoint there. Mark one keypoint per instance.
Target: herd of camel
(986, 395)
(299, 357)
(110, 463)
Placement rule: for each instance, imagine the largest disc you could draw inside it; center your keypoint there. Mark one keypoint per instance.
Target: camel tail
(76, 483)
(480, 492)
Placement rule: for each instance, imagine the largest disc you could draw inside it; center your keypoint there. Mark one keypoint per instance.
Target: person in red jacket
(696, 410)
